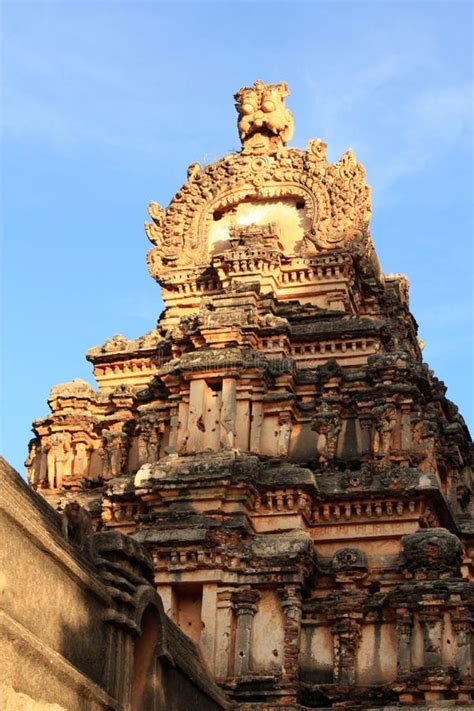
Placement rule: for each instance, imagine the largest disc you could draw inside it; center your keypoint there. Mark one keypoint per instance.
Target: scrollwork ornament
(336, 197)
(356, 480)
(398, 478)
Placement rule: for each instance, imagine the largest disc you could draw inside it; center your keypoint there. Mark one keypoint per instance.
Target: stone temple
(294, 469)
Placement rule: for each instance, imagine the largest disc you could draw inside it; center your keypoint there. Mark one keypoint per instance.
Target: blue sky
(105, 104)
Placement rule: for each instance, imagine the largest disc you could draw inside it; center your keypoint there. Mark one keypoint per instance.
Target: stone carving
(398, 478)
(385, 423)
(327, 424)
(316, 150)
(60, 458)
(114, 344)
(75, 388)
(290, 598)
(346, 634)
(119, 344)
(81, 459)
(245, 606)
(432, 552)
(149, 432)
(114, 452)
(336, 197)
(210, 317)
(424, 434)
(356, 480)
(272, 321)
(350, 561)
(263, 115)
(281, 342)
(32, 462)
(284, 434)
(150, 340)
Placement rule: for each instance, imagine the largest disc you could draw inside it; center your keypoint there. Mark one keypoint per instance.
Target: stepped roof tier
(277, 442)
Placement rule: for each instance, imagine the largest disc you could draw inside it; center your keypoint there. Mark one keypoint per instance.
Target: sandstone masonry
(301, 482)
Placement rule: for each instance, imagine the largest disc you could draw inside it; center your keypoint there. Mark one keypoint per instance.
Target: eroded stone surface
(81, 626)
(300, 479)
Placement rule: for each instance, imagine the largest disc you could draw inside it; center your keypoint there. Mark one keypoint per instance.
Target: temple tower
(294, 468)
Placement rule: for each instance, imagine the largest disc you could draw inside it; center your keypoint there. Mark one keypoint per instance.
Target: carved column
(284, 434)
(223, 645)
(404, 626)
(291, 604)
(462, 623)
(245, 605)
(227, 429)
(197, 392)
(346, 633)
(256, 426)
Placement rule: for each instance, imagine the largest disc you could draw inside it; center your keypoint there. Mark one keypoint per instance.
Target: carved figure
(262, 110)
(327, 424)
(424, 432)
(32, 462)
(81, 459)
(284, 433)
(317, 150)
(384, 427)
(142, 430)
(76, 524)
(114, 453)
(149, 440)
(59, 460)
(154, 443)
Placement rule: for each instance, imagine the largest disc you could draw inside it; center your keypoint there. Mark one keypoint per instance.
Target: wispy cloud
(396, 103)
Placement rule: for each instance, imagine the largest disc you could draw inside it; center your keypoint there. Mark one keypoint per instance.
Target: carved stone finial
(264, 121)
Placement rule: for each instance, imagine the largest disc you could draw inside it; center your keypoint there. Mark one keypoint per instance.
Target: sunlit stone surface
(277, 443)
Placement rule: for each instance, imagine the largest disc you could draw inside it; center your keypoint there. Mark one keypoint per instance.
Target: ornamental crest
(316, 205)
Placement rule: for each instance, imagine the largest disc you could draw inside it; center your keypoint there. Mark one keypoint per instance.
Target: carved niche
(114, 453)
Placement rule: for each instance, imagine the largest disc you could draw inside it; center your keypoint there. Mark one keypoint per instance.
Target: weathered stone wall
(65, 642)
(53, 640)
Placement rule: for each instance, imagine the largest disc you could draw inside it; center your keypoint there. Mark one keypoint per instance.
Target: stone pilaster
(245, 606)
(223, 646)
(404, 627)
(462, 623)
(291, 604)
(346, 632)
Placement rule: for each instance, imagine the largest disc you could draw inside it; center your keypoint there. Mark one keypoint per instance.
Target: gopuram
(277, 443)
